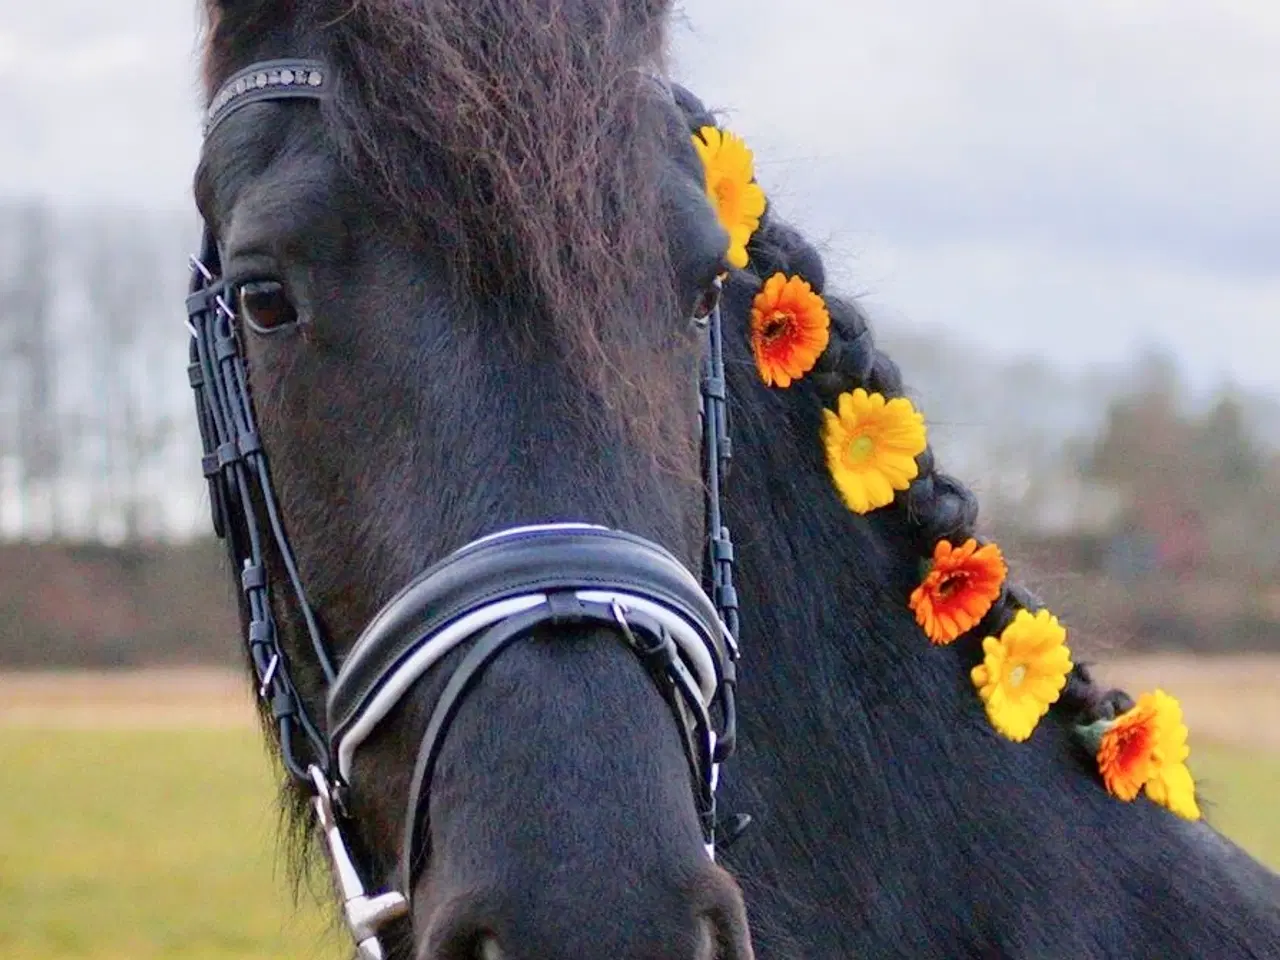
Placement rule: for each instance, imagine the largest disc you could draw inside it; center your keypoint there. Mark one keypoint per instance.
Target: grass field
(137, 816)
(144, 844)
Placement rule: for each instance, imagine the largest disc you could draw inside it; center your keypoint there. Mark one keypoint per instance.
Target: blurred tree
(1143, 446)
(10, 374)
(120, 268)
(31, 358)
(1229, 458)
(1156, 373)
(1195, 483)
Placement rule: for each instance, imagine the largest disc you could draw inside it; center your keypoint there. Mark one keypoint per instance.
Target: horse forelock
(529, 140)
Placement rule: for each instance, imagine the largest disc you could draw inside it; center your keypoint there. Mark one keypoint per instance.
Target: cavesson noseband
(486, 595)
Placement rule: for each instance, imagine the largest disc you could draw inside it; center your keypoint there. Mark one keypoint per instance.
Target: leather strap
(290, 79)
(533, 561)
(656, 650)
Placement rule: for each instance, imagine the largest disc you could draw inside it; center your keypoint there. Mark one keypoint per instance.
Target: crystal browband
(269, 80)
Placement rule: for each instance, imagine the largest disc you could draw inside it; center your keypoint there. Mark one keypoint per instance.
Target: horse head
(451, 328)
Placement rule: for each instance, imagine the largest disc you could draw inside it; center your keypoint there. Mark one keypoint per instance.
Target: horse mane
(936, 506)
(989, 850)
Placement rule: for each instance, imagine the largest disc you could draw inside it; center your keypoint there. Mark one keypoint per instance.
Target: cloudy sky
(1070, 178)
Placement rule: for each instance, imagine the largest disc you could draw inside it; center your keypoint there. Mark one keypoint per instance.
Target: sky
(1071, 180)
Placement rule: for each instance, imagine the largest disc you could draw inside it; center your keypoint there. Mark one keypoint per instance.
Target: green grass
(1239, 793)
(146, 845)
(163, 844)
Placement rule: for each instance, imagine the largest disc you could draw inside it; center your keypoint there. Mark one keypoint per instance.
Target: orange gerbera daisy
(738, 200)
(1128, 752)
(790, 327)
(1147, 747)
(960, 587)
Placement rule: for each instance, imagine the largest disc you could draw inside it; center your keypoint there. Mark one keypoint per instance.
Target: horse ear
(648, 10)
(247, 9)
(694, 110)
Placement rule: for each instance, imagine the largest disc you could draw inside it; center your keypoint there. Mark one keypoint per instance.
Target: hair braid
(937, 505)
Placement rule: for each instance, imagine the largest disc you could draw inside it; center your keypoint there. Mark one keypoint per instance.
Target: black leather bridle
(485, 596)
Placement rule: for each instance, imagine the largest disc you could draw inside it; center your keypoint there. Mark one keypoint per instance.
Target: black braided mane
(937, 506)
(891, 821)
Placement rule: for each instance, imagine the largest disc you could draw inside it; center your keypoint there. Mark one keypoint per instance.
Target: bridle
(484, 596)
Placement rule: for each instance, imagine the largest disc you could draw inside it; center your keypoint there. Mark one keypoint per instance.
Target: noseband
(485, 596)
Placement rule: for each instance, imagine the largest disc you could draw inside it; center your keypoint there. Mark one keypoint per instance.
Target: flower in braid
(939, 509)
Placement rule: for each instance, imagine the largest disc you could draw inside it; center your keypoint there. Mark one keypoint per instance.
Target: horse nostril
(708, 940)
(727, 936)
(476, 946)
(723, 938)
(707, 922)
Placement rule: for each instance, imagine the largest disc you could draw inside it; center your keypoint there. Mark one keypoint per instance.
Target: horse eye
(708, 300)
(264, 306)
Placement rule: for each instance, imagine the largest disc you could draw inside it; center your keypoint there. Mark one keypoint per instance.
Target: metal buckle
(620, 615)
(364, 915)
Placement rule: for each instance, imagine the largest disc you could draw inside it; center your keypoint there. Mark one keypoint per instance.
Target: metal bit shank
(364, 915)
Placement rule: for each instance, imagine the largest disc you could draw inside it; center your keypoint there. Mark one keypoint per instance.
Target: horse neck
(822, 584)
(838, 683)
(871, 771)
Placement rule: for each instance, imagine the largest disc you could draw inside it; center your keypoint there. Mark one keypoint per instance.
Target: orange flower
(1147, 747)
(1126, 753)
(790, 328)
(960, 587)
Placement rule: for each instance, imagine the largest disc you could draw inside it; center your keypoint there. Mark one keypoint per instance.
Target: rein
(487, 595)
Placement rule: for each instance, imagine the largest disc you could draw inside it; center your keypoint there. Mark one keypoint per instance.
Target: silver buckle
(364, 915)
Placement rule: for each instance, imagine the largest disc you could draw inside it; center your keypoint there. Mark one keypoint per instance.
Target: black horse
(459, 268)
(891, 820)
(458, 274)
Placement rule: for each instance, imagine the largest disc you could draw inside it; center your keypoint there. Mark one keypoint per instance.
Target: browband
(290, 79)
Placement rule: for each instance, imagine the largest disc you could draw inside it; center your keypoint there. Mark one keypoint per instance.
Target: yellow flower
(1023, 672)
(731, 188)
(872, 445)
(1173, 787)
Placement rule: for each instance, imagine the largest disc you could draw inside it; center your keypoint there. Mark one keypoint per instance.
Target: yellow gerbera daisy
(1172, 787)
(872, 445)
(731, 188)
(1023, 672)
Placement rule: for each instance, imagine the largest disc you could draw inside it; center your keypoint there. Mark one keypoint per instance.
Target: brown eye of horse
(708, 300)
(264, 306)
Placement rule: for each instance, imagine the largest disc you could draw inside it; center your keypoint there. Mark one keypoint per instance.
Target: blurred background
(1064, 218)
